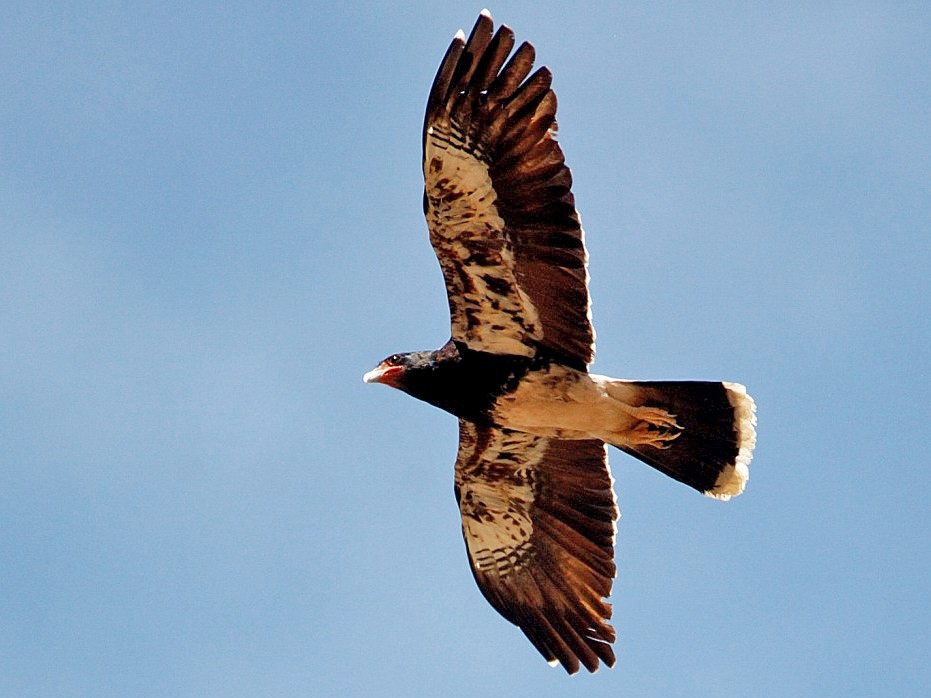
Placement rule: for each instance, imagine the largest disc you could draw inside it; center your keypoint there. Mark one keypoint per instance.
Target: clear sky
(210, 227)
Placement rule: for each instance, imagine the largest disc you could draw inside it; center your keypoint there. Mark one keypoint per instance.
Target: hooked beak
(383, 374)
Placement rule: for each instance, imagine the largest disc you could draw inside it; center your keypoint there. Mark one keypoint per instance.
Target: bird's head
(401, 370)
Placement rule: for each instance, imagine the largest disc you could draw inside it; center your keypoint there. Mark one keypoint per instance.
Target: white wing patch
(496, 492)
(489, 311)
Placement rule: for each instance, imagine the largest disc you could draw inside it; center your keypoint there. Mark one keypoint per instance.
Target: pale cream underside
(566, 403)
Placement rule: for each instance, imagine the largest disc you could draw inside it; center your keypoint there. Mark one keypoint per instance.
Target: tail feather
(713, 433)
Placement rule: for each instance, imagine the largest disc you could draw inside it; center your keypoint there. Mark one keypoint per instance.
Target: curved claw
(657, 428)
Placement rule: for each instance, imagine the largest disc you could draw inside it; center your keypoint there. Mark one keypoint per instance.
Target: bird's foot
(656, 427)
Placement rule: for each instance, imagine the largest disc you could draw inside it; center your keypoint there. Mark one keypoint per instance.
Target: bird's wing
(499, 205)
(538, 518)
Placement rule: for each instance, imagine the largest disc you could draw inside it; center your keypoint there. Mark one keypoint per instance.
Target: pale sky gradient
(210, 227)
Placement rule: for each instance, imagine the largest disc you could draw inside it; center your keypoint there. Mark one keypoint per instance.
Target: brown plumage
(498, 193)
(538, 519)
(532, 477)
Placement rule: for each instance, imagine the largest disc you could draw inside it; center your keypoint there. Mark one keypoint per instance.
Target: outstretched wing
(538, 521)
(498, 203)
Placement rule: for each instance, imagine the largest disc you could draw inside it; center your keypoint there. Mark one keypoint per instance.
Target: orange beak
(383, 373)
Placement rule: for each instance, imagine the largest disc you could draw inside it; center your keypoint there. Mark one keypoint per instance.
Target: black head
(451, 378)
(434, 376)
(400, 370)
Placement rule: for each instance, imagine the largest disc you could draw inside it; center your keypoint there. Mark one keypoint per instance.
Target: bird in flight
(531, 476)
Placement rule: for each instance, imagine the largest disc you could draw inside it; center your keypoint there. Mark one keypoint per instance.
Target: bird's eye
(394, 359)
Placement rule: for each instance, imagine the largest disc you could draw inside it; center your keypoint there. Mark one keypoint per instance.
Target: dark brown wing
(538, 521)
(498, 203)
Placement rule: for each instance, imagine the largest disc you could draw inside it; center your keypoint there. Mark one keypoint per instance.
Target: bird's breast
(555, 401)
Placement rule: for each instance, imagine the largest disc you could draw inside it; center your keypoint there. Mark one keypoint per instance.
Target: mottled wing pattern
(499, 205)
(538, 519)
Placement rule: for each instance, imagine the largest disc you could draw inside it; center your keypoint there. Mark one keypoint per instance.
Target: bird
(532, 479)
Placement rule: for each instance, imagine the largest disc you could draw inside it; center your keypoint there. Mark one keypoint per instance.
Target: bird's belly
(559, 402)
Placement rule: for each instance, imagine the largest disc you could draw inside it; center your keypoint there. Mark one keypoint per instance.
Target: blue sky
(210, 227)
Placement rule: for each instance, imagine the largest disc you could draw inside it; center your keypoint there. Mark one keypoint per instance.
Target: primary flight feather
(532, 478)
